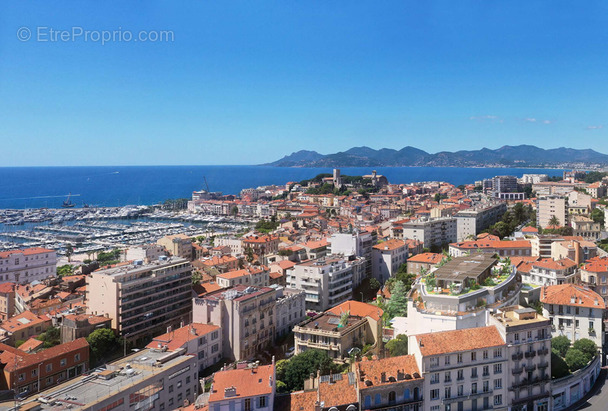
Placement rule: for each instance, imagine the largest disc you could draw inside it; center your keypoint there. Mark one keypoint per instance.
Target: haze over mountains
(506, 156)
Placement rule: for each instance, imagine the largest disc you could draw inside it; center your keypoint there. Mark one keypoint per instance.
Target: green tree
(196, 277)
(597, 215)
(234, 211)
(102, 342)
(575, 359)
(554, 221)
(561, 344)
(397, 346)
(69, 251)
(51, 337)
(559, 368)
(64, 270)
(302, 365)
(249, 254)
(587, 347)
(397, 305)
(374, 284)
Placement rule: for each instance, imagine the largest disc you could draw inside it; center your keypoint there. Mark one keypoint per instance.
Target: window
(474, 372)
(77, 357)
(498, 383)
(473, 356)
(497, 368)
(34, 372)
(170, 388)
(377, 399)
(448, 377)
(434, 362)
(63, 362)
(170, 401)
(486, 370)
(460, 390)
(497, 399)
(448, 392)
(49, 367)
(179, 384)
(474, 388)
(262, 402)
(447, 360)
(459, 358)
(22, 377)
(460, 375)
(392, 397)
(516, 337)
(486, 386)
(49, 380)
(368, 401)
(188, 380)
(435, 394)
(485, 354)
(201, 355)
(247, 404)
(497, 353)
(215, 348)
(435, 378)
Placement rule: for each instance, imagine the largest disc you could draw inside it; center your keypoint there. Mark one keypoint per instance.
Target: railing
(517, 356)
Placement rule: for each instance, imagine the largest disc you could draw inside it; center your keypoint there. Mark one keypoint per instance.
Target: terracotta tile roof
(205, 288)
(390, 245)
(429, 258)
(313, 245)
(296, 401)
(27, 251)
(550, 264)
(30, 345)
(259, 239)
(358, 308)
(529, 229)
(573, 295)
(596, 265)
(217, 260)
(180, 337)
(248, 382)
(22, 321)
(492, 244)
(91, 319)
(340, 392)
(7, 288)
(8, 354)
(459, 340)
(275, 275)
(286, 264)
(391, 367)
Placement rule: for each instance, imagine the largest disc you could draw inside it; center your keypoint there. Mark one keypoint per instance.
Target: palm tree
(69, 250)
(554, 221)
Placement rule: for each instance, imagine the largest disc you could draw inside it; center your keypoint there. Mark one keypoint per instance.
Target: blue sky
(248, 82)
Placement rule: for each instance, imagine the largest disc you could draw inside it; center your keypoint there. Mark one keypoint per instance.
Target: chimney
(383, 377)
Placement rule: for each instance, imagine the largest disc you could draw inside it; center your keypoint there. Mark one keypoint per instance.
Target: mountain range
(506, 156)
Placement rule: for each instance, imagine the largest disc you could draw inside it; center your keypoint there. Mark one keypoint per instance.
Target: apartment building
(474, 220)
(326, 281)
(235, 244)
(27, 265)
(75, 326)
(246, 316)
(7, 301)
(261, 245)
(594, 274)
(547, 271)
(23, 326)
(514, 248)
(533, 178)
(423, 262)
(149, 379)
(245, 389)
(528, 338)
(387, 257)
(574, 311)
(575, 250)
(146, 252)
(202, 341)
(31, 373)
(432, 232)
(391, 383)
(178, 245)
(340, 329)
(142, 299)
(552, 206)
(289, 309)
(252, 275)
(585, 227)
(462, 369)
(357, 244)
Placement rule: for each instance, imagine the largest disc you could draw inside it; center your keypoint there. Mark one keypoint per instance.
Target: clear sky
(248, 82)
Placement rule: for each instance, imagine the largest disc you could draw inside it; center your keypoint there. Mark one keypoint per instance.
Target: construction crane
(207, 185)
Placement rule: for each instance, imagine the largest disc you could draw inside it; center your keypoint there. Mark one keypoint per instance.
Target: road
(597, 398)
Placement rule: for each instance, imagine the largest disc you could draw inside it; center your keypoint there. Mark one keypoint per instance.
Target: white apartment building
(533, 178)
(258, 277)
(387, 257)
(585, 227)
(574, 311)
(433, 232)
(288, 309)
(326, 281)
(463, 369)
(246, 389)
(146, 252)
(235, 244)
(528, 338)
(354, 244)
(203, 341)
(547, 271)
(142, 299)
(550, 206)
(27, 265)
(474, 220)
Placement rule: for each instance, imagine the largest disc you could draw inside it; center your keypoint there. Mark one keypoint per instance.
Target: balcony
(517, 356)
(530, 354)
(530, 368)
(517, 371)
(543, 365)
(543, 351)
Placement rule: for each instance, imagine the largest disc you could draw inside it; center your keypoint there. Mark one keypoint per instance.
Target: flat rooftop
(135, 268)
(94, 388)
(330, 322)
(468, 266)
(519, 316)
(322, 262)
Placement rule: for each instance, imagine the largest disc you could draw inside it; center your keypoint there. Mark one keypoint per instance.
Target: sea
(114, 186)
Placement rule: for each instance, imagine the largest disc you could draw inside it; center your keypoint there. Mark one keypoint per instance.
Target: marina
(89, 230)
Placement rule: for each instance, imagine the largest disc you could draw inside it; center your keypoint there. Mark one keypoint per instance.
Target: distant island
(506, 156)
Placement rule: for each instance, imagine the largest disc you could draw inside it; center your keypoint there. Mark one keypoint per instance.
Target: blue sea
(36, 187)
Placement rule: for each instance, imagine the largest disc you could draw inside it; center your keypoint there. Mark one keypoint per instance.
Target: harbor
(90, 230)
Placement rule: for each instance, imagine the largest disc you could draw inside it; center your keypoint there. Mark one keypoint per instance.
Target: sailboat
(68, 203)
